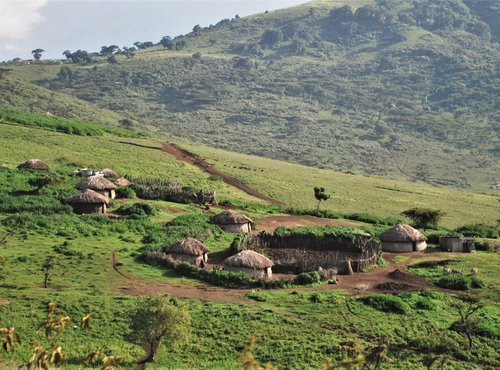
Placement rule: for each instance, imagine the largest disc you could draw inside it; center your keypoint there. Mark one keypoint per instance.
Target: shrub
(317, 297)
(480, 230)
(125, 192)
(136, 210)
(307, 278)
(482, 245)
(425, 303)
(236, 243)
(257, 296)
(459, 282)
(386, 303)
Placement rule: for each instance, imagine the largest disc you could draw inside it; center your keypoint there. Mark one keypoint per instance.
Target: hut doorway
(414, 246)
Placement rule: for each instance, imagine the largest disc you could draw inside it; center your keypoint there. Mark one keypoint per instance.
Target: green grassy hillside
(98, 270)
(396, 88)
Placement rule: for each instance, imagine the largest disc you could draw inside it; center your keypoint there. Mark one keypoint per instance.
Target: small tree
(42, 181)
(424, 217)
(320, 194)
(467, 324)
(47, 268)
(37, 53)
(156, 320)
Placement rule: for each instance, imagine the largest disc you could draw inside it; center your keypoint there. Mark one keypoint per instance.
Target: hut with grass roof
(403, 238)
(250, 262)
(98, 184)
(109, 173)
(189, 250)
(88, 201)
(233, 222)
(34, 164)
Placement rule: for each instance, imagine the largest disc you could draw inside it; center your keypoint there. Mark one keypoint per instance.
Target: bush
(483, 245)
(307, 278)
(257, 296)
(136, 210)
(386, 303)
(236, 243)
(125, 192)
(425, 303)
(459, 282)
(480, 230)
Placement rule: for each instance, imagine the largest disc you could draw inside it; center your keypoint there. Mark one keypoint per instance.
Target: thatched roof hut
(121, 181)
(403, 238)
(108, 172)
(88, 201)
(188, 249)
(98, 184)
(233, 222)
(34, 164)
(250, 262)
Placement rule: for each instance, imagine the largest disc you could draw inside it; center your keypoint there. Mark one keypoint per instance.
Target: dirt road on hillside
(191, 158)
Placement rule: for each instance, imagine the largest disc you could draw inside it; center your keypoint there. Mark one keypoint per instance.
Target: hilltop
(396, 88)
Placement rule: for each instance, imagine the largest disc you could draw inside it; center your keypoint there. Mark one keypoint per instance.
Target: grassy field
(294, 328)
(293, 184)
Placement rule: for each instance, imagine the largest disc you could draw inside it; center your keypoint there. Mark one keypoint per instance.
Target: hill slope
(388, 87)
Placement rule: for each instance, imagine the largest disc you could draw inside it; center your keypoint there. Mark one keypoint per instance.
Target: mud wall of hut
(299, 253)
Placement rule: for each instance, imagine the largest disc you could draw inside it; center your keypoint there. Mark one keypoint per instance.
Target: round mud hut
(98, 184)
(233, 222)
(250, 262)
(403, 238)
(189, 250)
(34, 164)
(88, 201)
(121, 181)
(109, 173)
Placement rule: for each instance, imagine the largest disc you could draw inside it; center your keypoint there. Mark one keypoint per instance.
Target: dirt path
(390, 279)
(272, 222)
(191, 158)
(135, 286)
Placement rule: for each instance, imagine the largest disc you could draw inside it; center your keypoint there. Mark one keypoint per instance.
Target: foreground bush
(135, 210)
(386, 303)
(459, 282)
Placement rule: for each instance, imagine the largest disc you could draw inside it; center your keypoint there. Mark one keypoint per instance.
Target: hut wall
(421, 246)
(88, 208)
(237, 228)
(299, 253)
(452, 244)
(397, 247)
(194, 260)
(253, 273)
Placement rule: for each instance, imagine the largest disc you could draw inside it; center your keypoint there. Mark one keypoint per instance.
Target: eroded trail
(191, 158)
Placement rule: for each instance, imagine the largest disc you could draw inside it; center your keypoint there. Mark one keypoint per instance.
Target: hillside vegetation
(397, 88)
(98, 270)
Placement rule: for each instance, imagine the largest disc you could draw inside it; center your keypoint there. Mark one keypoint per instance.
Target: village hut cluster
(96, 190)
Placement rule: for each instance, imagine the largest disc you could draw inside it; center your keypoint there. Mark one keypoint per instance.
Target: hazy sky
(58, 25)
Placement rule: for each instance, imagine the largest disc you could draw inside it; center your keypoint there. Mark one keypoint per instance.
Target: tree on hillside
(37, 53)
(47, 268)
(167, 43)
(42, 181)
(320, 194)
(156, 320)
(467, 324)
(271, 38)
(423, 217)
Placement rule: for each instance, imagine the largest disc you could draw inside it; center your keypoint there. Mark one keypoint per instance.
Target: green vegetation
(96, 271)
(318, 84)
(64, 125)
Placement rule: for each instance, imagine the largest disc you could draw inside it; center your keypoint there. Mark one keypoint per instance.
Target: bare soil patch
(431, 264)
(273, 222)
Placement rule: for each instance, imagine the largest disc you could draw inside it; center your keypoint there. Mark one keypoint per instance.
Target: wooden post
(349, 267)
